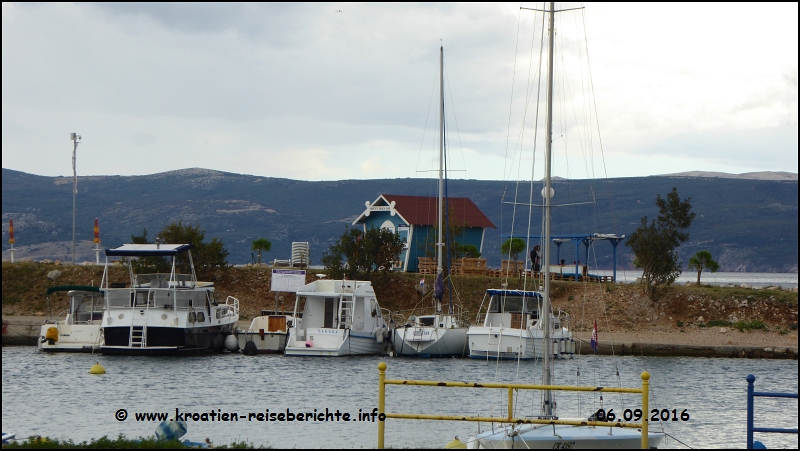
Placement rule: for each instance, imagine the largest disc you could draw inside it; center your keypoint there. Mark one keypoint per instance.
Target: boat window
(427, 320)
(513, 304)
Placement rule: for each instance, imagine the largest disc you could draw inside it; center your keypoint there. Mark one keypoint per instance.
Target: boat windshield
(517, 304)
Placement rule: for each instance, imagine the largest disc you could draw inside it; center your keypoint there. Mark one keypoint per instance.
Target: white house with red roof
(414, 217)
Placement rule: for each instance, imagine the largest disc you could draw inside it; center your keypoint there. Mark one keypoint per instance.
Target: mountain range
(748, 222)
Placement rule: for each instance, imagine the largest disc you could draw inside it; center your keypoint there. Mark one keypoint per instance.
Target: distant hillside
(747, 224)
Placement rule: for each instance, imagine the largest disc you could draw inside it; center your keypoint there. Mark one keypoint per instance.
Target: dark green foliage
(750, 325)
(702, 260)
(719, 323)
(261, 244)
(467, 250)
(206, 256)
(512, 247)
(656, 243)
(360, 255)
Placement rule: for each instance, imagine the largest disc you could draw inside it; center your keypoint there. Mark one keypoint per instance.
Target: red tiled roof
(421, 210)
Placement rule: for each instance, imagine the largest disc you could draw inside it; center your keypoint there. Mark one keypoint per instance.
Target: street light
(75, 138)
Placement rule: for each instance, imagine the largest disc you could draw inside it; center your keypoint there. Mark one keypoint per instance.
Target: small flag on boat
(10, 231)
(594, 337)
(96, 231)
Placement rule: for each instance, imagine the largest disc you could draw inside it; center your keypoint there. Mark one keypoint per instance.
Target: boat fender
(250, 348)
(97, 369)
(379, 335)
(219, 342)
(231, 343)
(309, 343)
(455, 444)
(51, 335)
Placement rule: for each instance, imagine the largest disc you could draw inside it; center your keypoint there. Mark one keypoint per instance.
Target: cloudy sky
(344, 91)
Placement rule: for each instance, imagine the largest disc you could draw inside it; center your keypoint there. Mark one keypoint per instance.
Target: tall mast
(440, 241)
(547, 346)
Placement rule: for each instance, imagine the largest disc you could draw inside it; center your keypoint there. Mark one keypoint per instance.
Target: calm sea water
(53, 395)
(751, 279)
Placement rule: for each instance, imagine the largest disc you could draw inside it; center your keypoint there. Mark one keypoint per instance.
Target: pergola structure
(578, 239)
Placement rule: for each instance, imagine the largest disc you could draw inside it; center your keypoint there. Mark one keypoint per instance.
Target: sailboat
(436, 335)
(557, 436)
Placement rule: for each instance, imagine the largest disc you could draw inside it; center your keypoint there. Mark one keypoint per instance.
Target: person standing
(536, 258)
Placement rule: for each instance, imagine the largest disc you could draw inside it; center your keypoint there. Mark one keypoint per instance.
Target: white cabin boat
(338, 317)
(511, 328)
(268, 333)
(431, 336)
(80, 329)
(163, 313)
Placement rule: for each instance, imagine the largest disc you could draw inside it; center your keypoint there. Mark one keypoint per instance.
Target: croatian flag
(594, 337)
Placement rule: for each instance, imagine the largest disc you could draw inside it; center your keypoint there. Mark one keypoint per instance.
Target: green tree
(205, 256)
(468, 250)
(703, 260)
(360, 255)
(512, 247)
(261, 244)
(655, 243)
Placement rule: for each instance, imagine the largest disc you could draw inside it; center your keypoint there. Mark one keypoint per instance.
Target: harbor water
(53, 395)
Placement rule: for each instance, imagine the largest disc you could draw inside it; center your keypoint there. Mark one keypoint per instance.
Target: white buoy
(232, 343)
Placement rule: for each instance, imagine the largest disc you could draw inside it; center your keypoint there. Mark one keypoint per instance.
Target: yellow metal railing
(383, 415)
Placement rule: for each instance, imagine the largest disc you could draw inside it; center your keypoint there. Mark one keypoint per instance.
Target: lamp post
(75, 138)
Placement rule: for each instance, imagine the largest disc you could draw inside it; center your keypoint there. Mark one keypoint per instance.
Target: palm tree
(261, 244)
(702, 260)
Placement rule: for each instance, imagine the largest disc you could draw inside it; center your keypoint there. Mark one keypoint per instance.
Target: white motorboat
(336, 318)
(431, 336)
(553, 436)
(439, 334)
(267, 332)
(80, 328)
(512, 329)
(163, 313)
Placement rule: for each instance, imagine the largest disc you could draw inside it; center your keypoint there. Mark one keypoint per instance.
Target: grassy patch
(719, 323)
(750, 325)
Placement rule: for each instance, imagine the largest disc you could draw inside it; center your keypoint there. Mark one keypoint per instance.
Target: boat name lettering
(563, 445)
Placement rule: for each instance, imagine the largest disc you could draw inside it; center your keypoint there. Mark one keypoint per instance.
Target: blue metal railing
(750, 395)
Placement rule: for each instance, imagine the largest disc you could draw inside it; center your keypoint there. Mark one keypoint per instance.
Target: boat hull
(165, 340)
(334, 343)
(511, 344)
(426, 341)
(266, 343)
(71, 338)
(565, 437)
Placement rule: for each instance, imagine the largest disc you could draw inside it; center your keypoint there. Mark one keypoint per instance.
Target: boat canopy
(73, 287)
(521, 293)
(148, 250)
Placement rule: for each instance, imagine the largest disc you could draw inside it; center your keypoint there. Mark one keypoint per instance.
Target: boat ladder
(138, 335)
(346, 314)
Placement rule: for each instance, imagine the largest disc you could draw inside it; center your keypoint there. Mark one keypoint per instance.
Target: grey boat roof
(148, 250)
